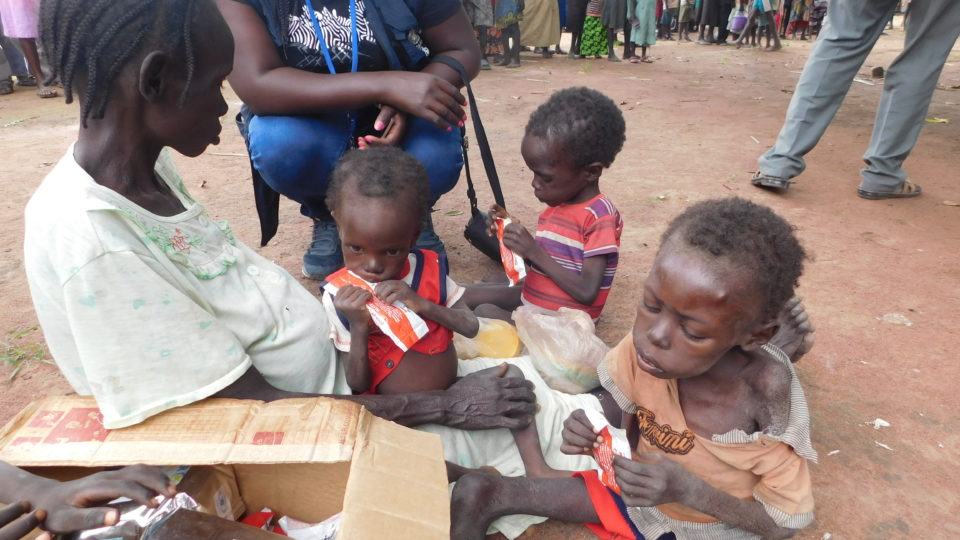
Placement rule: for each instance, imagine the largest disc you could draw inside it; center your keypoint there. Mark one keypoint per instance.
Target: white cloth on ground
(496, 447)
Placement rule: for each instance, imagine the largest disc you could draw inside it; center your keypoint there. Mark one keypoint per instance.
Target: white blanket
(496, 448)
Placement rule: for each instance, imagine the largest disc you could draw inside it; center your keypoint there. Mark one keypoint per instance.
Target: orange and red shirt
(426, 273)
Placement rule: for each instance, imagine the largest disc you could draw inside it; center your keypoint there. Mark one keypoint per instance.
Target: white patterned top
(147, 312)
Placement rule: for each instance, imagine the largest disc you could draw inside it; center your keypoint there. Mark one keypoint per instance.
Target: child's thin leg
(775, 36)
(479, 499)
(611, 41)
(528, 444)
(535, 465)
(574, 45)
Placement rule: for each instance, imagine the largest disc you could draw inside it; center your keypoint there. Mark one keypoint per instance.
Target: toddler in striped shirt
(572, 256)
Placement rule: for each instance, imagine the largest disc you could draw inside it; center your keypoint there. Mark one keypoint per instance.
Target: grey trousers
(5, 72)
(850, 32)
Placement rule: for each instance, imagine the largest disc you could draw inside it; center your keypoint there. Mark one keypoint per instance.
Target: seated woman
(368, 81)
(147, 303)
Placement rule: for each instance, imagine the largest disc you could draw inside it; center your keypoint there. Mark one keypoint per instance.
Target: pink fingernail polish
(461, 123)
(378, 126)
(449, 129)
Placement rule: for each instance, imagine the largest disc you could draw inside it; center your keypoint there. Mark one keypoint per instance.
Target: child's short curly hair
(750, 236)
(381, 172)
(587, 124)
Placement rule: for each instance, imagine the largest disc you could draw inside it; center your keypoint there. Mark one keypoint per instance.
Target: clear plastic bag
(563, 345)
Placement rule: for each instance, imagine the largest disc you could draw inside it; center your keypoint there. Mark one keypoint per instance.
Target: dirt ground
(883, 286)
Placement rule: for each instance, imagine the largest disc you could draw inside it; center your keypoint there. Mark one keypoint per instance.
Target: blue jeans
(296, 155)
(18, 64)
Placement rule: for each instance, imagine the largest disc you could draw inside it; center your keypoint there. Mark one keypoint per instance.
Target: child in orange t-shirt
(713, 410)
(378, 197)
(573, 255)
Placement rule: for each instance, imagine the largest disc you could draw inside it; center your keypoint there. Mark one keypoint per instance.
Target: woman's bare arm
(268, 86)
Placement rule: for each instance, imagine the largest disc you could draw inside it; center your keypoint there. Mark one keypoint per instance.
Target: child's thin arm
(357, 363)
(352, 302)
(582, 287)
(653, 479)
(747, 515)
(458, 318)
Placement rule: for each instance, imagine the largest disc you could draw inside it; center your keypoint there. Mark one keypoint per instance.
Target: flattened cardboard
(307, 458)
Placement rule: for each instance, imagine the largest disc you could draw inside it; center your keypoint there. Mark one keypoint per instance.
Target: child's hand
(578, 435)
(397, 291)
(651, 479)
(496, 211)
(352, 301)
(73, 506)
(519, 240)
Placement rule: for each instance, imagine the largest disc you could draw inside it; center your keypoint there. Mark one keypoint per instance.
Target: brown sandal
(906, 190)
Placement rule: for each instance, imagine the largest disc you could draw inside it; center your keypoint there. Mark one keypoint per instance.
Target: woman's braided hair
(94, 40)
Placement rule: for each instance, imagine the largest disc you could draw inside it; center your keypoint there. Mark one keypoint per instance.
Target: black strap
(488, 164)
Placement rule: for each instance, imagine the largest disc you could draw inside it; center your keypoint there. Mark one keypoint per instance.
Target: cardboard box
(306, 458)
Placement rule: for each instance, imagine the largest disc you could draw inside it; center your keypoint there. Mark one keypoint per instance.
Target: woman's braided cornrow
(96, 39)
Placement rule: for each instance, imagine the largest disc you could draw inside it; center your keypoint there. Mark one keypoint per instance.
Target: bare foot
(774, 48)
(513, 64)
(612, 57)
(795, 335)
(470, 513)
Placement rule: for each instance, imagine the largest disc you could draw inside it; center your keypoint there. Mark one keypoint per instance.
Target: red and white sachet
(614, 443)
(401, 323)
(513, 264)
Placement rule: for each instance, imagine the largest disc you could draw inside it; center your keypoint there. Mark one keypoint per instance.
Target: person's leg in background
(441, 154)
(17, 63)
(6, 82)
(32, 54)
(295, 156)
(908, 87)
(844, 43)
(629, 49)
(726, 6)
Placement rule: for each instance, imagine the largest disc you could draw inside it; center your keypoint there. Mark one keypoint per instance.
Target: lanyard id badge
(354, 37)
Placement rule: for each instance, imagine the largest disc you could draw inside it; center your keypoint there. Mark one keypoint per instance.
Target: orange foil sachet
(404, 327)
(513, 264)
(614, 444)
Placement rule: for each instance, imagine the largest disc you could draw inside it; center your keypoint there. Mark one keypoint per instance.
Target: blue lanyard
(354, 37)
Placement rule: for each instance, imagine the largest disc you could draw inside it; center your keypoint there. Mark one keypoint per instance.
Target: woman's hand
(489, 399)
(394, 291)
(73, 506)
(393, 126)
(17, 520)
(578, 435)
(426, 96)
(352, 301)
(650, 479)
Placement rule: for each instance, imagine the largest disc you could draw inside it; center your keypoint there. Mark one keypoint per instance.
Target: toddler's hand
(578, 435)
(496, 211)
(519, 240)
(397, 291)
(352, 301)
(650, 479)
